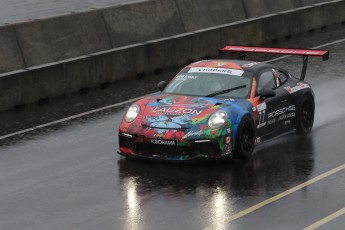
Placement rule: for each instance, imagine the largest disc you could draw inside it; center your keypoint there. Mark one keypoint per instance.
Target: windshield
(227, 83)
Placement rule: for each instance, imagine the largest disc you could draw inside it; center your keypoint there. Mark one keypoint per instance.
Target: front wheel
(245, 138)
(305, 115)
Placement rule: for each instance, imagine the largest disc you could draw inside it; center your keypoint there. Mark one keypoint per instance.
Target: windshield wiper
(225, 91)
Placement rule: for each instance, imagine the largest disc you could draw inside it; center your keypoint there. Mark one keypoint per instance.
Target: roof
(226, 64)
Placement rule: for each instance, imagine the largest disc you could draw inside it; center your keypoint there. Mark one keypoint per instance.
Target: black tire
(305, 115)
(244, 145)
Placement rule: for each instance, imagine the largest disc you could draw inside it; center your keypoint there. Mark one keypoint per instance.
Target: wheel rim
(307, 115)
(247, 138)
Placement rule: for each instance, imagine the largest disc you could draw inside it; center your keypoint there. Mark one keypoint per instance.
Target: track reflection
(221, 190)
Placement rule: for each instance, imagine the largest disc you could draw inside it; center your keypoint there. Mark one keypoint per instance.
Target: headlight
(132, 113)
(217, 119)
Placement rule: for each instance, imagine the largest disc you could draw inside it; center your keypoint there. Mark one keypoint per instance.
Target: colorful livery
(215, 109)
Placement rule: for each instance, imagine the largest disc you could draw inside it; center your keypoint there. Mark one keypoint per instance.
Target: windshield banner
(216, 70)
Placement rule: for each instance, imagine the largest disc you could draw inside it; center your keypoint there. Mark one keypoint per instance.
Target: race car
(219, 109)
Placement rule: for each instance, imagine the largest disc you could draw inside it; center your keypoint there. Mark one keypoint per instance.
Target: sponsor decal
(261, 125)
(183, 76)
(216, 70)
(193, 133)
(296, 88)
(163, 142)
(227, 148)
(176, 110)
(228, 130)
(250, 64)
(226, 153)
(281, 111)
(271, 121)
(227, 140)
(285, 116)
(258, 140)
(160, 156)
(159, 135)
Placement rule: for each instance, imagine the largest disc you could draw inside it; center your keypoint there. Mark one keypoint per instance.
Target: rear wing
(305, 53)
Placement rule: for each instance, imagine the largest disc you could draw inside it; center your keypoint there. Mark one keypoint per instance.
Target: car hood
(176, 111)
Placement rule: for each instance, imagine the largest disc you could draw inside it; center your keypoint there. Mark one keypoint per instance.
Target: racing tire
(245, 143)
(305, 115)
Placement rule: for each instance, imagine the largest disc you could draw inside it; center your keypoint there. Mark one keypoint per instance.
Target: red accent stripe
(302, 52)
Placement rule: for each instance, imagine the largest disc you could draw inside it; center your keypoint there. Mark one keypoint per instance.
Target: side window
(280, 77)
(266, 80)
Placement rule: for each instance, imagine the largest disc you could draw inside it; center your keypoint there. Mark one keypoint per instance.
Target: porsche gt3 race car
(216, 109)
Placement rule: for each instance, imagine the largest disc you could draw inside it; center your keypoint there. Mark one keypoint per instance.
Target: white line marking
(326, 219)
(125, 102)
(279, 196)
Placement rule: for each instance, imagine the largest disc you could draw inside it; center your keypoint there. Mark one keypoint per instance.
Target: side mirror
(161, 85)
(266, 93)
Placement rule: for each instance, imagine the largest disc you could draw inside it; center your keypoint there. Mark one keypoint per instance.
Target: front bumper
(139, 147)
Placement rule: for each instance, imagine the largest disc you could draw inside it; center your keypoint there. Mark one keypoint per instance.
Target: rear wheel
(245, 138)
(305, 115)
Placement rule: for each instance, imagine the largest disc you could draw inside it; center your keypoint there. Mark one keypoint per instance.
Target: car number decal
(262, 112)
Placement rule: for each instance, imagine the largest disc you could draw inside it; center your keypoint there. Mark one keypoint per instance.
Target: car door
(270, 109)
(286, 113)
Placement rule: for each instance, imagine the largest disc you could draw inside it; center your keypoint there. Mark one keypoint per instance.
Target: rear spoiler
(300, 52)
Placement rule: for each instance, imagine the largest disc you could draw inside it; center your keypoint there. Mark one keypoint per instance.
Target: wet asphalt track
(68, 176)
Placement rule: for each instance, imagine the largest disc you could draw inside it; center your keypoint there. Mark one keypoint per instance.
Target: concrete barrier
(249, 32)
(142, 21)
(294, 22)
(327, 14)
(28, 86)
(10, 54)
(53, 39)
(51, 80)
(256, 8)
(59, 38)
(200, 14)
